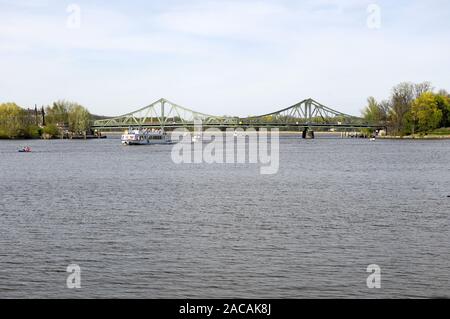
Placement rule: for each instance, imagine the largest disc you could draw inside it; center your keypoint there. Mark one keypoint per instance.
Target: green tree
(14, 121)
(79, 119)
(58, 113)
(426, 113)
(374, 112)
(402, 98)
(69, 114)
(443, 103)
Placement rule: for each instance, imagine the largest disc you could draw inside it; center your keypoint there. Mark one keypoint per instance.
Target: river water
(140, 226)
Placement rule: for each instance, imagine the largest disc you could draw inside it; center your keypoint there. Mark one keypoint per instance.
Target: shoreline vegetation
(412, 111)
(62, 120)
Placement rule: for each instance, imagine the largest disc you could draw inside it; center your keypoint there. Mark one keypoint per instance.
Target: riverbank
(76, 137)
(283, 133)
(416, 137)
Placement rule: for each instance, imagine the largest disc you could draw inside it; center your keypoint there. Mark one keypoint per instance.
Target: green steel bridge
(305, 115)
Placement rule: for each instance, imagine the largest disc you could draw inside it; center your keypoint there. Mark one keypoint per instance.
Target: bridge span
(305, 115)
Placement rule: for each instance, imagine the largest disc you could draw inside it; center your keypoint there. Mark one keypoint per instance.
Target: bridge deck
(247, 125)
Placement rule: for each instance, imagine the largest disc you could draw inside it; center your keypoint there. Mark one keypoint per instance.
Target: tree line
(62, 117)
(412, 108)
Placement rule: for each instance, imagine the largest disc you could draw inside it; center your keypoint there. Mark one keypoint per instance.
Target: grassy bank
(438, 134)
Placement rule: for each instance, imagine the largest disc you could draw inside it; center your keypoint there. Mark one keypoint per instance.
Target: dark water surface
(140, 226)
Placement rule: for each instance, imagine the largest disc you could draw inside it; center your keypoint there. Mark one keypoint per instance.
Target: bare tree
(385, 106)
(422, 88)
(443, 92)
(402, 97)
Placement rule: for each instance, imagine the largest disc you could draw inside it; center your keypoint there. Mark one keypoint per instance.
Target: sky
(237, 58)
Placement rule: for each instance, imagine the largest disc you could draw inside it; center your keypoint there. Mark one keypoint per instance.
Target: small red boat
(26, 149)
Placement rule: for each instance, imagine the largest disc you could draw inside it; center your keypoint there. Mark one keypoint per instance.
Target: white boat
(145, 137)
(196, 138)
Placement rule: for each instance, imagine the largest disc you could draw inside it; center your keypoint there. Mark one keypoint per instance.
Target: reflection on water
(140, 226)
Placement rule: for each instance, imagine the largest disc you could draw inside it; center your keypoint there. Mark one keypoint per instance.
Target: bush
(52, 130)
(34, 131)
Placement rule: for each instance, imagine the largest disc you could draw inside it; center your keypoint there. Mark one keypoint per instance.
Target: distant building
(36, 116)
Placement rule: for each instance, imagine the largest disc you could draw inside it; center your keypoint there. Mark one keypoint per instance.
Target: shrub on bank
(34, 131)
(51, 131)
